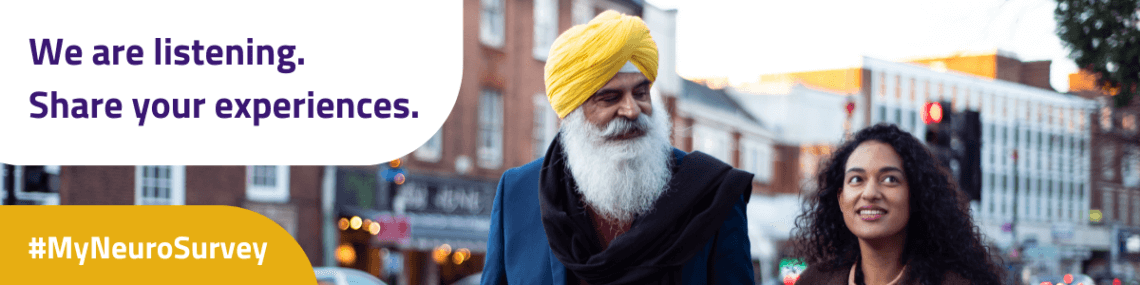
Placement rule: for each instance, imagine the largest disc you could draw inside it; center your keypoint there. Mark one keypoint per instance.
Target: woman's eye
(890, 179)
(854, 179)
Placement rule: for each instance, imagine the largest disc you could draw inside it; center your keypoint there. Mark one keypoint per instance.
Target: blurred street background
(1049, 154)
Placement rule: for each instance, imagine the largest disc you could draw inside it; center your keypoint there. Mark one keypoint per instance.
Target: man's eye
(640, 95)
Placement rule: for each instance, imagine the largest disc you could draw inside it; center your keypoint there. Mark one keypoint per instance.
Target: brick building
(1114, 173)
(501, 120)
(288, 195)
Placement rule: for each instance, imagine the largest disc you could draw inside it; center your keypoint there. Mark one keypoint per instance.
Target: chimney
(1036, 74)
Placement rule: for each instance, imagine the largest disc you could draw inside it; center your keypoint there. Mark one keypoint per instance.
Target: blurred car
(345, 276)
(1060, 279)
(473, 279)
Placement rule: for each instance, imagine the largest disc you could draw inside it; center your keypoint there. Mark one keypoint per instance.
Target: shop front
(412, 228)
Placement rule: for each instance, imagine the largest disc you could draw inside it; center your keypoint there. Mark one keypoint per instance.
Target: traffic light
(932, 112)
(954, 138)
(966, 145)
(938, 118)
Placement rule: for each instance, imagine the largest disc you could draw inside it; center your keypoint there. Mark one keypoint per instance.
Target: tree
(1103, 38)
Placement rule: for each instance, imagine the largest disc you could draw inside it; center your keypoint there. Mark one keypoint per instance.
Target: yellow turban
(585, 57)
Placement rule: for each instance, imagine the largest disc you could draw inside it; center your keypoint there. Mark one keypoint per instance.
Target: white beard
(623, 178)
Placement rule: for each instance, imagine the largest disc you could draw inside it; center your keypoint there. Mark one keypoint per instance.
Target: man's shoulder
(527, 171)
(678, 155)
(529, 168)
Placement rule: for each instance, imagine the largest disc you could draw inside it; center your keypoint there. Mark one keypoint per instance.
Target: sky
(742, 39)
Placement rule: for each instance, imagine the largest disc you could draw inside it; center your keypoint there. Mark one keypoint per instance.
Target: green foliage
(1103, 38)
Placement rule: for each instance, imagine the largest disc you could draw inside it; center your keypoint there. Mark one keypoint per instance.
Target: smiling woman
(886, 213)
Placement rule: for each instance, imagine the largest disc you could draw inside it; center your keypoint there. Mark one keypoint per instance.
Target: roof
(716, 99)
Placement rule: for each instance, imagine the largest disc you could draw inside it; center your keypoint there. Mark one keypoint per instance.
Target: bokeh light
(355, 222)
(342, 224)
(441, 253)
(399, 179)
(461, 255)
(374, 228)
(346, 254)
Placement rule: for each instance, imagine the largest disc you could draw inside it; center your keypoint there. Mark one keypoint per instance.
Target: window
(993, 133)
(1130, 166)
(757, 158)
(882, 84)
(1122, 205)
(1017, 137)
(492, 23)
(1069, 202)
(1041, 197)
(882, 113)
(913, 118)
(160, 185)
(713, 142)
(32, 184)
(1049, 199)
(545, 125)
(1136, 210)
(545, 27)
(267, 183)
(1042, 150)
(582, 12)
(1128, 123)
(432, 149)
(490, 150)
(1081, 156)
(1005, 135)
(1106, 119)
(1107, 153)
(1106, 203)
(993, 181)
(898, 86)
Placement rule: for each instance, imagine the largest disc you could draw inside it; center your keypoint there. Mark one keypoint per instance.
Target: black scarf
(700, 196)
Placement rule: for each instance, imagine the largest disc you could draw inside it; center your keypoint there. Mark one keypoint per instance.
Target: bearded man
(612, 202)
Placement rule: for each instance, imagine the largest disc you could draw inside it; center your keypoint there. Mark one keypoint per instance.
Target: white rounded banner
(225, 82)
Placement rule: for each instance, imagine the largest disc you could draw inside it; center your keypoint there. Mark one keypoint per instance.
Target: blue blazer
(518, 252)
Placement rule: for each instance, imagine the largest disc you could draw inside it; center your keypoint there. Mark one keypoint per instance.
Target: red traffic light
(932, 113)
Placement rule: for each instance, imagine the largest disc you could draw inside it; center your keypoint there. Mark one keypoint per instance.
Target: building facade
(1034, 156)
(1047, 185)
(291, 196)
(1114, 175)
(501, 120)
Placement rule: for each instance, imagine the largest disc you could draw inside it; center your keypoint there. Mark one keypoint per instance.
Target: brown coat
(813, 276)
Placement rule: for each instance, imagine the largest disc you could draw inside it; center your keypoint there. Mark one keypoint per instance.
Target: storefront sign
(436, 195)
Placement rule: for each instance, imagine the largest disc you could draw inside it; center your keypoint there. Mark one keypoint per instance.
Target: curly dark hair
(941, 235)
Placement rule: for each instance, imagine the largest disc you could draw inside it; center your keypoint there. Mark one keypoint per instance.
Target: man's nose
(628, 107)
